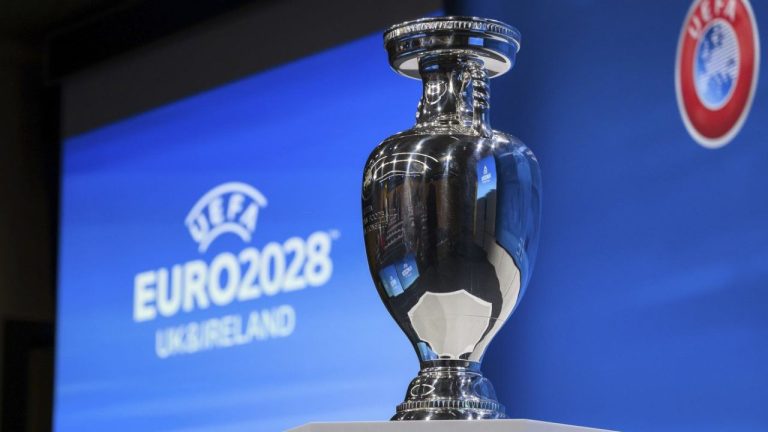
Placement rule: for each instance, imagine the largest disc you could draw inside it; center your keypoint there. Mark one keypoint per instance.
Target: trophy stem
(450, 390)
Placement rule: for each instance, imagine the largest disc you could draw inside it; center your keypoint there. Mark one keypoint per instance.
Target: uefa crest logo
(716, 71)
(228, 208)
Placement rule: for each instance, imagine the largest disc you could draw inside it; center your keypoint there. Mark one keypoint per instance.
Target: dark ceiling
(74, 34)
(32, 20)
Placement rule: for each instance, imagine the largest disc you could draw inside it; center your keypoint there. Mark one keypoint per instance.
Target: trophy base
(450, 390)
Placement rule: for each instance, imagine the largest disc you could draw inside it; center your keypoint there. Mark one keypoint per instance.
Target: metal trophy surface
(451, 213)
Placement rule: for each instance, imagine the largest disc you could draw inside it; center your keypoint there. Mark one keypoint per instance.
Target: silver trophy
(451, 213)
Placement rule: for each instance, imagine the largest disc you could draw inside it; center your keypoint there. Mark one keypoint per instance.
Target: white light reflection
(403, 163)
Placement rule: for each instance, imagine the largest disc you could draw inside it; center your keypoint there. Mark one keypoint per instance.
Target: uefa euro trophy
(451, 213)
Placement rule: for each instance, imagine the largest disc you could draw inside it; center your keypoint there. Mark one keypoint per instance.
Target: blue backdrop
(275, 322)
(648, 307)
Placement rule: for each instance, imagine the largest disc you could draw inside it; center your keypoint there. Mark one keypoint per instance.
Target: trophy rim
(495, 42)
(429, 24)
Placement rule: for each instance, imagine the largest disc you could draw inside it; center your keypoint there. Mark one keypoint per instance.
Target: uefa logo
(716, 71)
(230, 277)
(228, 208)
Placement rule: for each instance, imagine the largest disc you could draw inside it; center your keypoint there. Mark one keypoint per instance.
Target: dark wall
(28, 200)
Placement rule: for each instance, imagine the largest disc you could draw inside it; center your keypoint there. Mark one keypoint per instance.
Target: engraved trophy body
(451, 214)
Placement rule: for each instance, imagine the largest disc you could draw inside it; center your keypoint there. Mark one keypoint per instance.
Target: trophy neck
(455, 96)
(450, 365)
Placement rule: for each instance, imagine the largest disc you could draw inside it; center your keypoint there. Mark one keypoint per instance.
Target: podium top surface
(444, 426)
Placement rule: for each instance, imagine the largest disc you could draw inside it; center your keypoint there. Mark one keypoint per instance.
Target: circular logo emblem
(718, 59)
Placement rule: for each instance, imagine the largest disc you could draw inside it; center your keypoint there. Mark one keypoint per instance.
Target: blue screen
(212, 274)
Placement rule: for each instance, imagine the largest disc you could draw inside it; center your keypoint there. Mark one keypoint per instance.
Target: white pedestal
(444, 426)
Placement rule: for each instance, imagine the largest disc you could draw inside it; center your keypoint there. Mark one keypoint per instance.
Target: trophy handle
(480, 95)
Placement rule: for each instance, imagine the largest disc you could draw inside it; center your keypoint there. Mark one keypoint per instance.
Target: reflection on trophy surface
(451, 214)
